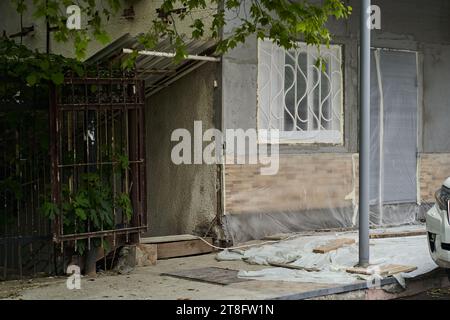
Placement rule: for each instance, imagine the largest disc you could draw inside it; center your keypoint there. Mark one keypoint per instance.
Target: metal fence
(25, 235)
(72, 169)
(97, 133)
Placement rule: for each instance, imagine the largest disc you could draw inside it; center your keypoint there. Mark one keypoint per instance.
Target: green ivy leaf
(102, 37)
(81, 214)
(57, 78)
(81, 246)
(32, 79)
(130, 61)
(45, 65)
(49, 210)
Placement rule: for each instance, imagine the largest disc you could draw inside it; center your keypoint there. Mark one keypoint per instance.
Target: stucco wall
(415, 25)
(181, 198)
(117, 26)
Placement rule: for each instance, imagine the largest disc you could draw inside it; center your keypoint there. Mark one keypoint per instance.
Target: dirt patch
(12, 289)
(149, 283)
(433, 294)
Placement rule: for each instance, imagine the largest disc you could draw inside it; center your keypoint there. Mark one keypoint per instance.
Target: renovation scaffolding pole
(364, 141)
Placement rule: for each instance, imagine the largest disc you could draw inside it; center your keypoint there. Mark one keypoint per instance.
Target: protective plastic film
(393, 190)
(317, 190)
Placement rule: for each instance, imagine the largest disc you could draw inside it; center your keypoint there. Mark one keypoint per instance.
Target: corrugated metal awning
(158, 72)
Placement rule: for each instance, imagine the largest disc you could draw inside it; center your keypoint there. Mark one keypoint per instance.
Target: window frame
(309, 136)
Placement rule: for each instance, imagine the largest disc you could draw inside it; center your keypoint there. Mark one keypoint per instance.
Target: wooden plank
(359, 270)
(290, 266)
(278, 236)
(333, 245)
(248, 245)
(384, 271)
(183, 248)
(174, 238)
(397, 234)
(396, 268)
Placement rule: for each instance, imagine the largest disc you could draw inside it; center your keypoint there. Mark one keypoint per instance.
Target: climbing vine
(282, 21)
(91, 205)
(22, 64)
(89, 208)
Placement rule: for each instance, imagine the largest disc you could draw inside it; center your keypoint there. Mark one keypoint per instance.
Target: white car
(438, 227)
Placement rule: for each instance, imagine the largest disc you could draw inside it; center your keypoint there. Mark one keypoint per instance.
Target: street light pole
(364, 141)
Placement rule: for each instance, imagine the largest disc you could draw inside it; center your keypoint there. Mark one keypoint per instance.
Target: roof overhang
(157, 67)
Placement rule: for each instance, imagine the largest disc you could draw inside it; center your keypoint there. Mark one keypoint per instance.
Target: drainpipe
(364, 141)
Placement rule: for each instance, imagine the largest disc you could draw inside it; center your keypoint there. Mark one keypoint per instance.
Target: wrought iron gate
(25, 235)
(97, 145)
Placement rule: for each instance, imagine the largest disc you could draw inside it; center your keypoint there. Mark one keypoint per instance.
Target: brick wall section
(304, 181)
(314, 181)
(434, 169)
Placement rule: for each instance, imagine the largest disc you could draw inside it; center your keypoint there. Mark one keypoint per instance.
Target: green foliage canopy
(282, 21)
(20, 63)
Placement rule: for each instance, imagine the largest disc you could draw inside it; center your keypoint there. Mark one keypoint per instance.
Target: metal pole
(364, 141)
(172, 55)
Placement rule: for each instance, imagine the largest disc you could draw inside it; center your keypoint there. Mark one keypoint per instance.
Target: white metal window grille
(296, 97)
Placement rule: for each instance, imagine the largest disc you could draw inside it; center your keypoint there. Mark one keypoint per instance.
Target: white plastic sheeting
(306, 200)
(393, 124)
(411, 251)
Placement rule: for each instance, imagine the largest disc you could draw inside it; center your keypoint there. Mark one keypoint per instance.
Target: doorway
(394, 130)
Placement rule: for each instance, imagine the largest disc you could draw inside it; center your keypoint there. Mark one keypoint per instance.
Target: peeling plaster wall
(180, 198)
(145, 12)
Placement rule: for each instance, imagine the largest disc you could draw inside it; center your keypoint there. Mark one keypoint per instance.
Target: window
(297, 97)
